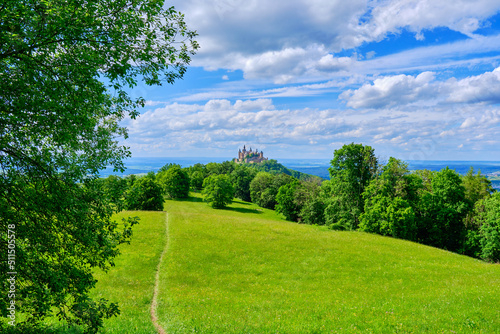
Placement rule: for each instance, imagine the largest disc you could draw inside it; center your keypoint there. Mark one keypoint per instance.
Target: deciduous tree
(174, 181)
(218, 191)
(145, 194)
(352, 168)
(65, 69)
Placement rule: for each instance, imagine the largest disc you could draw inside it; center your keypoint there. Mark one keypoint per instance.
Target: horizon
(283, 158)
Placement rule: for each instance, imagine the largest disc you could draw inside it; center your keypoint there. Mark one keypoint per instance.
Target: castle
(249, 156)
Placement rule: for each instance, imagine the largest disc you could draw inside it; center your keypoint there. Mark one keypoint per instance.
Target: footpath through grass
(131, 281)
(244, 270)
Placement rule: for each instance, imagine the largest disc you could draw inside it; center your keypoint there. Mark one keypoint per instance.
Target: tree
(241, 178)
(65, 69)
(490, 229)
(352, 168)
(174, 181)
(313, 211)
(441, 212)
(390, 202)
(286, 203)
(166, 167)
(145, 194)
(264, 188)
(218, 191)
(115, 188)
(476, 186)
(197, 174)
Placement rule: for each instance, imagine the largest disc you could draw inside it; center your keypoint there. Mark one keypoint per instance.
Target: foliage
(441, 212)
(218, 191)
(214, 168)
(390, 202)
(313, 211)
(145, 194)
(166, 167)
(264, 188)
(352, 168)
(65, 66)
(241, 178)
(197, 174)
(274, 167)
(477, 186)
(114, 188)
(490, 228)
(174, 182)
(286, 202)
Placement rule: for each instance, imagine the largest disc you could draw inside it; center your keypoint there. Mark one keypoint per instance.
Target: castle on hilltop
(249, 156)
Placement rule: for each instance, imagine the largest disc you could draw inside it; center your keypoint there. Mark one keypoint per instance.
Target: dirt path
(154, 303)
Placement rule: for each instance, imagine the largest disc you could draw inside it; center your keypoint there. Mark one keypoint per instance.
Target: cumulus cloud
(423, 89)
(293, 40)
(463, 16)
(484, 88)
(391, 90)
(408, 132)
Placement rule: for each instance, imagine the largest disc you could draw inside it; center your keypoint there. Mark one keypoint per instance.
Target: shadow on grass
(243, 210)
(188, 199)
(241, 202)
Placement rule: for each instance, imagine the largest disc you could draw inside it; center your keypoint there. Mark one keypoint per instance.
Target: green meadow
(246, 270)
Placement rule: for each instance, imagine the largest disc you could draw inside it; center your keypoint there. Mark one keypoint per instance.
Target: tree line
(441, 209)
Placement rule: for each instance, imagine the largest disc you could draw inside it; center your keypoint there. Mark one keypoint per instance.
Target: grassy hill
(245, 270)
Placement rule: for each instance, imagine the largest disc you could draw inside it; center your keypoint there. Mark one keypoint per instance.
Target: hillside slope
(244, 270)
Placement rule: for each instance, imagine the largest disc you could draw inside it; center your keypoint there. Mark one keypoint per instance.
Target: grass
(244, 270)
(131, 281)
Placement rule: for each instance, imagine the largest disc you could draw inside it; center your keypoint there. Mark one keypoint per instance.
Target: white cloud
(482, 88)
(291, 41)
(391, 90)
(408, 132)
(463, 16)
(423, 89)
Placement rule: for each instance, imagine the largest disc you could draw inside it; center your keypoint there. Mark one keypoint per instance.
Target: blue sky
(417, 80)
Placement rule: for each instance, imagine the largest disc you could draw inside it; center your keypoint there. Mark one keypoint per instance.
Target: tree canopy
(65, 68)
(352, 168)
(218, 191)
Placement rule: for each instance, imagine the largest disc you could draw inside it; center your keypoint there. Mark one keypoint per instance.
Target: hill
(273, 166)
(245, 270)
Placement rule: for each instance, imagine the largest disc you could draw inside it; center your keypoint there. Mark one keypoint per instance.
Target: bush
(115, 188)
(442, 212)
(218, 191)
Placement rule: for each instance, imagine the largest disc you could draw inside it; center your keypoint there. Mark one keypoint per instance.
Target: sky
(414, 79)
